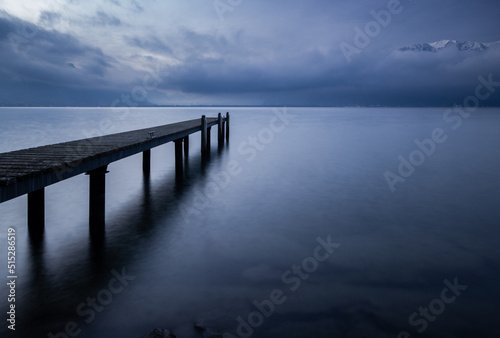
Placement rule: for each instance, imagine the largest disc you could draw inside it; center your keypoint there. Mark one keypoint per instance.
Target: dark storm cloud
(296, 59)
(312, 77)
(219, 64)
(41, 54)
(33, 57)
(279, 52)
(445, 77)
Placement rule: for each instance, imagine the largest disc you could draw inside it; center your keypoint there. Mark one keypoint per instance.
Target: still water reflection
(171, 259)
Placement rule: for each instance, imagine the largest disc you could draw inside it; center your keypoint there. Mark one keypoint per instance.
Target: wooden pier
(29, 171)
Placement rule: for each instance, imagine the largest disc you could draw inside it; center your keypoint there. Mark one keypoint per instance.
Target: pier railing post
(227, 126)
(220, 133)
(97, 199)
(36, 211)
(203, 135)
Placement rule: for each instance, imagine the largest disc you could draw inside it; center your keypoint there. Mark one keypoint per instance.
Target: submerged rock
(159, 333)
(215, 323)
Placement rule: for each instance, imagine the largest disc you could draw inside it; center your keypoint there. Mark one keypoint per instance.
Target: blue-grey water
(243, 246)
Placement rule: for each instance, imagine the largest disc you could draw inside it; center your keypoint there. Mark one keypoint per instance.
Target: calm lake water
(243, 245)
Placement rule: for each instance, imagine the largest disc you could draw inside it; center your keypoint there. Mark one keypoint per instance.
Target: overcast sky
(242, 52)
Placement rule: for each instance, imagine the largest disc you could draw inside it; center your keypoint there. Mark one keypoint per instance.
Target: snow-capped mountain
(445, 44)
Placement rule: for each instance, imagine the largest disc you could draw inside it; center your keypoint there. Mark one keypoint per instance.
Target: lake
(311, 222)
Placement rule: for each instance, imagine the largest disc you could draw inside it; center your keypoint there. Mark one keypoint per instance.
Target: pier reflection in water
(82, 287)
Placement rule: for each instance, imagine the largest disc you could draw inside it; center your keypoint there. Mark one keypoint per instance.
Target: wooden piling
(97, 199)
(220, 136)
(227, 126)
(203, 135)
(209, 138)
(146, 161)
(178, 157)
(36, 211)
(186, 146)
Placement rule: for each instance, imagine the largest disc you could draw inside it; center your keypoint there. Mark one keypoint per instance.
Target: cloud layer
(247, 53)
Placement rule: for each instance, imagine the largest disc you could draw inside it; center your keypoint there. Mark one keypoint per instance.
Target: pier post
(209, 137)
(178, 157)
(36, 211)
(146, 161)
(227, 126)
(203, 135)
(186, 146)
(97, 199)
(220, 133)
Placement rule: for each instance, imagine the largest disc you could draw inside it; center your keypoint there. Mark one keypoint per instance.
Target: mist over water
(249, 221)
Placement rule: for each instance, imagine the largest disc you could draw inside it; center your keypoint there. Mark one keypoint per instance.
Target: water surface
(239, 226)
